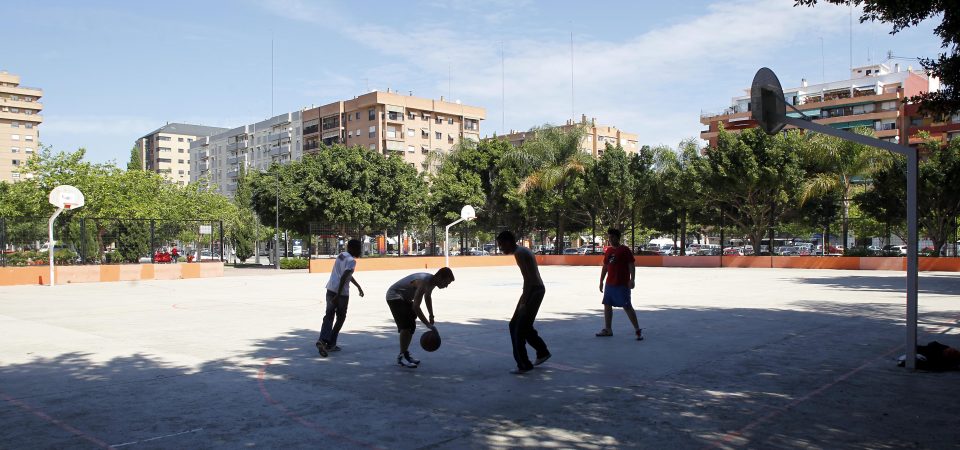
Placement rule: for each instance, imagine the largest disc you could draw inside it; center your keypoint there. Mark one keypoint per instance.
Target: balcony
(281, 150)
(21, 117)
(233, 173)
(22, 104)
(232, 160)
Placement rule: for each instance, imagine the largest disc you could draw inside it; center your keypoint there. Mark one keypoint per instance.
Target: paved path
(734, 358)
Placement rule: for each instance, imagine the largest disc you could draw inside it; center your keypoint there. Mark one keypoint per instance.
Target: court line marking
(156, 438)
(63, 425)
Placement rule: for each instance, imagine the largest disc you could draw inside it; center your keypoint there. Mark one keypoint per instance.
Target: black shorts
(403, 314)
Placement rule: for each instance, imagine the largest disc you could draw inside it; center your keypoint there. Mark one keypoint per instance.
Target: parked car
(733, 251)
(571, 251)
(667, 249)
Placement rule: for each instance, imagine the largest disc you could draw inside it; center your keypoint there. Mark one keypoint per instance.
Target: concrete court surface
(733, 358)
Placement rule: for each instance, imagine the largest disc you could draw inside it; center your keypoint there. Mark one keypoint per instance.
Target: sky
(113, 71)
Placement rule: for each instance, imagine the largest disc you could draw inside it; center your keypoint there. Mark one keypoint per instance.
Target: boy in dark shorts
(338, 297)
(521, 324)
(621, 272)
(404, 298)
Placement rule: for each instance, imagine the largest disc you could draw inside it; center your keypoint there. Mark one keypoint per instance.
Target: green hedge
(294, 263)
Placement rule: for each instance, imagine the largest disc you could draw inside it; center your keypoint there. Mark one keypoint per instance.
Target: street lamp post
(467, 213)
(276, 236)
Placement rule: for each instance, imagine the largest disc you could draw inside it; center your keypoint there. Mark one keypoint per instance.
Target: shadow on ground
(929, 283)
(703, 378)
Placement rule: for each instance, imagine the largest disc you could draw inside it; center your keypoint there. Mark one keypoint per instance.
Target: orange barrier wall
(413, 263)
(10, 276)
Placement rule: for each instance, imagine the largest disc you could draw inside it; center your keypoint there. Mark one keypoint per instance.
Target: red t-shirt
(617, 261)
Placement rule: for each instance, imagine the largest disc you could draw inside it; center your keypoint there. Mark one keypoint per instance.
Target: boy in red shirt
(618, 263)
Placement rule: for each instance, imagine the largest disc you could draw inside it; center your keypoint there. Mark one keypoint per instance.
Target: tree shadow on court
(703, 377)
(929, 283)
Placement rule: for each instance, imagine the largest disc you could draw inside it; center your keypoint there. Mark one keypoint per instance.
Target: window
(14, 137)
(358, 115)
(189, 139)
(14, 124)
(15, 175)
(438, 135)
(180, 150)
(14, 150)
(393, 115)
(426, 116)
(28, 151)
(28, 125)
(15, 110)
(179, 139)
(393, 133)
(373, 146)
(373, 132)
(372, 114)
(450, 138)
(424, 133)
(410, 132)
(163, 160)
(163, 138)
(471, 124)
(28, 138)
(163, 149)
(180, 161)
(411, 115)
(357, 134)
(439, 120)
(180, 172)
(349, 117)
(350, 134)
(15, 162)
(411, 149)
(450, 121)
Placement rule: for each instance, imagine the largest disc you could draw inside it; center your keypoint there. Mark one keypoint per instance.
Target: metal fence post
(152, 242)
(83, 241)
(221, 241)
(3, 242)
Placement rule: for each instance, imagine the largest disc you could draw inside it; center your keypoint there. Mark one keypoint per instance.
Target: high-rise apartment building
(19, 125)
(216, 160)
(872, 97)
(166, 150)
(393, 124)
(594, 141)
(384, 122)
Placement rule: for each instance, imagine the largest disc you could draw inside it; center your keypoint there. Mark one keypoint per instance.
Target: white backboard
(66, 196)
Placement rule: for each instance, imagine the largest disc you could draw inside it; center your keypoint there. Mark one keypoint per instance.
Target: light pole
(276, 236)
(467, 213)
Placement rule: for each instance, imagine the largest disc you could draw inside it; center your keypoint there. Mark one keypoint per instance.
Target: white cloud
(644, 84)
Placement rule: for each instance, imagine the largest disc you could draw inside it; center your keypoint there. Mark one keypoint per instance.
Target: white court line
(156, 438)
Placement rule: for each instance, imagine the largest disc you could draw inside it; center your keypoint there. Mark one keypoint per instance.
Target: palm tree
(838, 163)
(554, 158)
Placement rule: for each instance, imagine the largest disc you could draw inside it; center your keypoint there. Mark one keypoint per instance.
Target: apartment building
(19, 125)
(872, 97)
(216, 160)
(393, 124)
(166, 150)
(595, 140)
(940, 128)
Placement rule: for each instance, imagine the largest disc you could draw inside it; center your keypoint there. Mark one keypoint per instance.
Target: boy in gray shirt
(404, 298)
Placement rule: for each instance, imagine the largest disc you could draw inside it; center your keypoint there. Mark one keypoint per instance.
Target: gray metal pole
(912, 235)
(276, 234)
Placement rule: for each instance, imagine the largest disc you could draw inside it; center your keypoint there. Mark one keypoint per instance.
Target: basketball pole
(50, 245)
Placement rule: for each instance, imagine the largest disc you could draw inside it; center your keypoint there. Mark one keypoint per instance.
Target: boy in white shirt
(338, 297)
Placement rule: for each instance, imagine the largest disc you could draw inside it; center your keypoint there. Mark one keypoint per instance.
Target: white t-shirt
(345, 262)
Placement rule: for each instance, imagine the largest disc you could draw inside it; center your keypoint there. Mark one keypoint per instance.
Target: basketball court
(733, 358)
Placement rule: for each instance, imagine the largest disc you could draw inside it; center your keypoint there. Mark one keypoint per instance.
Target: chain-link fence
(24, 241)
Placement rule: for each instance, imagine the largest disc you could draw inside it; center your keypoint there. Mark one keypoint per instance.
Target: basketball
(430, 341)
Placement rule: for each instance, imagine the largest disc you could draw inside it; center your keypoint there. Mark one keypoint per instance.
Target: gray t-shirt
(406, 288)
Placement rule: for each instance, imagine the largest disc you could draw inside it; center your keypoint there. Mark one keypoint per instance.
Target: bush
(294, 263)
(859, 251)
(66, 257)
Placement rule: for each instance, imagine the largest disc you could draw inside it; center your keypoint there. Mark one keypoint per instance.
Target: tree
(907, 13)
(753, 178)
(136, 162)
(833, 166)
(555, 162)
(240, 226)
(614, 181)
(679, 181)
(884, 200)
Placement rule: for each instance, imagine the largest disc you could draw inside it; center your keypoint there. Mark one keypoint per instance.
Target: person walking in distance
(620, 271)
(338, 297)
(404, 298)
(521, 324)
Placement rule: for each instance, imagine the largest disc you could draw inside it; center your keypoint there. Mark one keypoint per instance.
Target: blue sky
(114, 71)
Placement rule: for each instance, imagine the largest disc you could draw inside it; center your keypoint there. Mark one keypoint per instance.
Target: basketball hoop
(63, 197)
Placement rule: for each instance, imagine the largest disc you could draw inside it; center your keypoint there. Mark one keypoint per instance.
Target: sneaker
(402, 363)
(410, 359)
(542, 359)
(322, 348)
(639, 334)
(519, 371)
(336, 348)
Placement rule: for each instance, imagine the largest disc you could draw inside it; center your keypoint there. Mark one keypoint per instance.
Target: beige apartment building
(19, 125)
(594, 142)
(872, 97)
(393, 124)
(166, 150)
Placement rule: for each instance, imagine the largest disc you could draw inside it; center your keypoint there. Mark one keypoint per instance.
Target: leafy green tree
(555, 163)
(136, 162)
(885, 199)
(614, 181)
(679, 180)
(834, 165)
(753, 178)
(907, 13)
(240, 226)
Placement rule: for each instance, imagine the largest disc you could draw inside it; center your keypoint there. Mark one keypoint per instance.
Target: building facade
(393, 124)
(872, 97)
(19, 126)
(942, 129)
(166, 150)
(595, 140)
(216, 160)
